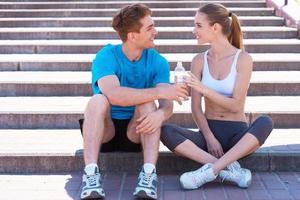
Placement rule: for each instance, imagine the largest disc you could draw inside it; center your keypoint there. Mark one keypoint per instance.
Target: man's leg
(147, 181)
(97, 129)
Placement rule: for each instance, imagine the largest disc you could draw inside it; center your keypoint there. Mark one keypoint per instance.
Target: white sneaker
(234, 173)
(92, 186)
(195, 179)
(147, 185)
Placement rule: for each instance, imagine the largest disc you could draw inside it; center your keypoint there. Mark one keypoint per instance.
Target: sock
(148, 168)
(91, 169)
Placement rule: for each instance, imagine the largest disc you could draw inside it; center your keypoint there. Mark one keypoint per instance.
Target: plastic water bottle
(179, 73)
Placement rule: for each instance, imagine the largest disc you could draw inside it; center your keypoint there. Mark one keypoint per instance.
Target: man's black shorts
(120, 141)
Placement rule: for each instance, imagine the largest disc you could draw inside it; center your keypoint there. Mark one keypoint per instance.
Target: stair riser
(92, 49)
(111, 13)
(22, 89)
(86, 66)
(70, 121)
(131, 162)
(98, 23)
(113, 35)
(120, 5)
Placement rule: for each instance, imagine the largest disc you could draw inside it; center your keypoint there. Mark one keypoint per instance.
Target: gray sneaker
(92, 186)
(147, 185)
(234, 173)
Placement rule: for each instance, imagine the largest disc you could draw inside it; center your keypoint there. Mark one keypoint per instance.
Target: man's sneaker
(92, 186)
(234, 173)
(195, 179)
(147, 185)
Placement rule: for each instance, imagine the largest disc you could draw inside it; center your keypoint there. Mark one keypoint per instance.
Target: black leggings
(228, 133)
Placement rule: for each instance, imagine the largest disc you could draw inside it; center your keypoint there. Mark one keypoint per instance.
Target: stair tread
(76, 105)
(166, 42)
(186, 57)
(76, 77)
(27, 142)
(110, 29)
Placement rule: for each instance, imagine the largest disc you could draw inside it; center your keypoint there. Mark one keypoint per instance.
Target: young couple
(128, 78)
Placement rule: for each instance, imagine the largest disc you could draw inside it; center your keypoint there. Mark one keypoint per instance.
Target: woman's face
(203, 31)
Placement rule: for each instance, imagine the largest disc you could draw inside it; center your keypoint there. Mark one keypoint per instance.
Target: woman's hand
(214, 147)
(194, 82)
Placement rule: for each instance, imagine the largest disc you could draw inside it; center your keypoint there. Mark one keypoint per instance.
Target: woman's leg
(247, 143)
(187, 143)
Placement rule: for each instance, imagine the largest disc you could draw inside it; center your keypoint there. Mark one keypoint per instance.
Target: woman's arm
(213, 146)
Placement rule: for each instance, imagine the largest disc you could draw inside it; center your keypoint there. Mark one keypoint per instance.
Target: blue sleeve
(103, 65)
(162, 72)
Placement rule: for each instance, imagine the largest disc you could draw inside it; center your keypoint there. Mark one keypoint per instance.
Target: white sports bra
(224, 86)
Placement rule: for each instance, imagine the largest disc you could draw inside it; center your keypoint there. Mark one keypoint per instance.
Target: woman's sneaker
(92, 186)
(234, 173)
(147, 185)
(195, 179)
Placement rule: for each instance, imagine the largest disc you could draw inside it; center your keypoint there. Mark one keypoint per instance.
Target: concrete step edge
(279, 147)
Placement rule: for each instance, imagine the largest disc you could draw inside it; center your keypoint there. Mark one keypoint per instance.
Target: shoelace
(146, 177)
(233, 168)
(92, 180)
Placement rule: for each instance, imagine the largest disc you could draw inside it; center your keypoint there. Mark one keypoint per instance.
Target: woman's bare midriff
(215, 112)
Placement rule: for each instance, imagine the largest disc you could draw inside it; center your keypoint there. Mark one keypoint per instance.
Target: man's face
(145, 38)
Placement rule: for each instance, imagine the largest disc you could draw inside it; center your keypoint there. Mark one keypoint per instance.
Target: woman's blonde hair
(217, 13)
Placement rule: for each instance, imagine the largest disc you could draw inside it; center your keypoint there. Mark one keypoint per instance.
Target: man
(122, 115)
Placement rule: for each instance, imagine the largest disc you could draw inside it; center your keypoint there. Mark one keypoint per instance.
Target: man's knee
(146, 108)
(98, 105)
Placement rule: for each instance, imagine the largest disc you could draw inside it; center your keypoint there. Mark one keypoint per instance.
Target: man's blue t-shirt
(150, 70)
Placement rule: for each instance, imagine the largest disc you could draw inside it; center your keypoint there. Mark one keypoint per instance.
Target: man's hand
(176, 92)
(149, 123)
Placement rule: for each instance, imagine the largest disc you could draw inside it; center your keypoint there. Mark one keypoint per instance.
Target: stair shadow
(73, 185)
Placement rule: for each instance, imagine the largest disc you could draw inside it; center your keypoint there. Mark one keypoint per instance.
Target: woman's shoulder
(245, 56)
(197, 62)
(245, 61)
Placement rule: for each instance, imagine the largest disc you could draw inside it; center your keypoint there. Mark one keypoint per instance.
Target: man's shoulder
(156, 55)
(107, 50)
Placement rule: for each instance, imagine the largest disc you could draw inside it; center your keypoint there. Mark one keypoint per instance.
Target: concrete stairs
(46, 49)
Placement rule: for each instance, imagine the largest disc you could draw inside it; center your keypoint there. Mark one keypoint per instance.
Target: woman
(225, 71)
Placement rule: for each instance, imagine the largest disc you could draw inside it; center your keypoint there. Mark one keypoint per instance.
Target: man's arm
(125, 96)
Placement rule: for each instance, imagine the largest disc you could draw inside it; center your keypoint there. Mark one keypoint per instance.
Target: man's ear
(130, 36)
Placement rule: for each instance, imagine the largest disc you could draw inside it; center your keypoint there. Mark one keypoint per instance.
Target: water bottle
(179, 73)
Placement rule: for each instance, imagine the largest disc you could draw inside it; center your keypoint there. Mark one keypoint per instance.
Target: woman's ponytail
(236, 36)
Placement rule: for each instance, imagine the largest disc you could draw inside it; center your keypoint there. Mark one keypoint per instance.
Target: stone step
(117, 4)
(64, 112)
(162, 45)
(131, 1)
(250, 32)
(44, 151)
(82, 62)
(106, 21)
(79, 83)
(156, 12)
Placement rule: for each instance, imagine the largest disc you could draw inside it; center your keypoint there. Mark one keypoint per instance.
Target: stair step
(44, 151)
(79, 83)
(253, 32)
(116, 4)
(163, 46)
(64, 112)
(82, 62)
(156, 12)
(106, 21)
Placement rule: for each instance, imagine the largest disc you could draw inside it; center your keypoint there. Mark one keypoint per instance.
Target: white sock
(91, 168)
(148, 168)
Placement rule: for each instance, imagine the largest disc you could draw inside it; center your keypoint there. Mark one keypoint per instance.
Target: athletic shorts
(120, 141)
